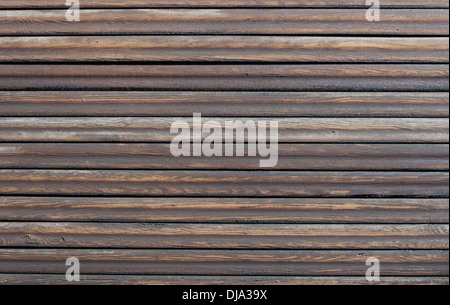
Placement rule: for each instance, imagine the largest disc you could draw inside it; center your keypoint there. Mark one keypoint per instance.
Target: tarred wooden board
(86, 168)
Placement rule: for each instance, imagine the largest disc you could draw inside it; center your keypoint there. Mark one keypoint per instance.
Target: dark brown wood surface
(223, 236)
(290, 130)
(293, 130)
(85, 163)
(220, 262)
(255, 263)
(223, 49)
(225, 183)
(410, 22)
(48, 279)
(219, 3)
(227, 77)
(290, 157)
(231, 210)
(224, 104)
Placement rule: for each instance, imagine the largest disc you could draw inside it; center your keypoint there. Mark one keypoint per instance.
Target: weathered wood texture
(290, 157)
(85, 164)
(223, 236)
(49, 279)
(227, 77)
(255, 263)
(233, 210)
(411, 22)
(228, 104)
(151, 129)
(225, 183)
(220, 3)
(223, 49)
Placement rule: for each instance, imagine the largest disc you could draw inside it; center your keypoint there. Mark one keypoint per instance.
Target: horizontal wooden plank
(219, 3)
(219, 263)
(269, 104)
(306, 77)
(218, 236)
(223, 49)
(223, 210)
(131, 129)
(412, 22)
(223, 183)
(51, 279)
(290, 157)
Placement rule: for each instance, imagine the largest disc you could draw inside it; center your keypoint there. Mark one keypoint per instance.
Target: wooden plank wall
(85, 163)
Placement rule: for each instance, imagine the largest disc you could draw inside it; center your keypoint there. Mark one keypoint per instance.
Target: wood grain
(228, 104)
(411, 22)
(226, 77)
(218, 3)
(151, 129)
(223, 210)
(223, 183)
(223, 49)
(218, 263)
(290, 157)
(223, 236)
(86, 170)
(49, 279)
